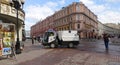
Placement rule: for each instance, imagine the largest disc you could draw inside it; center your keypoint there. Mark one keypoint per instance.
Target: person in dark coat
(106, 40)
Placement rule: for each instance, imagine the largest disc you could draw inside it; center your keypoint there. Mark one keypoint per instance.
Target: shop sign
(6, 38)
(8, 10)
(1, 47)
(6, 51)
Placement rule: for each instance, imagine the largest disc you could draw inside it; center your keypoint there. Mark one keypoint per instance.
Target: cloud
(61, 2)
(93, 6)
(51, 4)
(28, 24)
(42, 11)
(105, 12)
(113, 1)
(110, 16)
(36, 12)
(87, 2)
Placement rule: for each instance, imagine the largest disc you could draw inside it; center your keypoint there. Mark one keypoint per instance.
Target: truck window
(51, 34)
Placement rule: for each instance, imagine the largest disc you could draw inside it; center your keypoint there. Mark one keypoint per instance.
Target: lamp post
(18, 5)
(70, 26)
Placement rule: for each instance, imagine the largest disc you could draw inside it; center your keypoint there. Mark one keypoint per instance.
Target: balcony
(9, 13)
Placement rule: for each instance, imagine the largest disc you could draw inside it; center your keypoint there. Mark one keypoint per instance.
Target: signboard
(8, 10)
(6, 42)
(6, 38)
(1, 47)
(6, 51)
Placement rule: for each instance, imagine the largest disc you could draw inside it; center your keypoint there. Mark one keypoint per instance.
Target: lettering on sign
(13, 11)
(5, 9)
(8, 10)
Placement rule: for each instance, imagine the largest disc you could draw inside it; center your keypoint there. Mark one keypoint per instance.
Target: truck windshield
(47, 35)
(51, 34)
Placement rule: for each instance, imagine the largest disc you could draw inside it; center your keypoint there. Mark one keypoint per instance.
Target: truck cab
(49, 38)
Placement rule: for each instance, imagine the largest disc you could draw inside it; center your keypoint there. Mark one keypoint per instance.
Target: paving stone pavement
(91, 59)
(24, 57)
(30, 52)
(82, 58)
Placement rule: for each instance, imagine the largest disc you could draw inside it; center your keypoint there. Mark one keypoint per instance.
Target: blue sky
(108, 11)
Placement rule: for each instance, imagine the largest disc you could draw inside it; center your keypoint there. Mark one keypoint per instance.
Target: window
(78, 26)
(77, 17)
(81, 17)
(78, 7)
(70, 18)
(64, 21)
(71, 10)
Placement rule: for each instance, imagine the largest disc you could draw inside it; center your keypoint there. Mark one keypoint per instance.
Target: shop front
(9, 26)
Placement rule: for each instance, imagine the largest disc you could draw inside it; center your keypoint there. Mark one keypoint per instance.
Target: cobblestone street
(87, 53)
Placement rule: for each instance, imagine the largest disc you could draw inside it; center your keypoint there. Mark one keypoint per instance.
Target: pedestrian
(106, 40)
(32, 40)
(38, 38)
(119, 36)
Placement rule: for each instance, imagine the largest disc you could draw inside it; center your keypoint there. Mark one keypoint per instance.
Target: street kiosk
(6, 38)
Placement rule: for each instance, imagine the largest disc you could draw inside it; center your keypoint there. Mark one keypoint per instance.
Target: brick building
(76, 16)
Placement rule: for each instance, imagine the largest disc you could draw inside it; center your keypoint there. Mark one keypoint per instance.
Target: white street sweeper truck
(53, 39)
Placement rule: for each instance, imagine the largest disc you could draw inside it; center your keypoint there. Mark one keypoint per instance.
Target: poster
(1, 47)
(6, 38)
(6, 42)
(6, 51)
(1, 44)
(6, 46)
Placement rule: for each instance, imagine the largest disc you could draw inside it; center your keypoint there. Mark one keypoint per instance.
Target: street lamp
(18, 5)
(70, 26)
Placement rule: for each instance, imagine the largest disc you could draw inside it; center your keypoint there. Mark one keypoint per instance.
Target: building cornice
(6, 9)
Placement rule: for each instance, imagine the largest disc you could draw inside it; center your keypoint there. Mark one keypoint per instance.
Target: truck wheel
(52, 46)
(71, 45)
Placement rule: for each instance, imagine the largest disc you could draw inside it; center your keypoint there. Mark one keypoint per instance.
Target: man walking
(106, 40)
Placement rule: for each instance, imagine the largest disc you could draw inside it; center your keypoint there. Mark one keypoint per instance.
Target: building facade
(113, 25)
(8, 16)
(75, 16)
(112, 31)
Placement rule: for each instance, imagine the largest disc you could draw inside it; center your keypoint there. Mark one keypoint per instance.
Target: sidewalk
(28, 54)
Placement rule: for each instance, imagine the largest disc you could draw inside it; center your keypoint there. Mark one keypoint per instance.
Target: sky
(107, 11)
